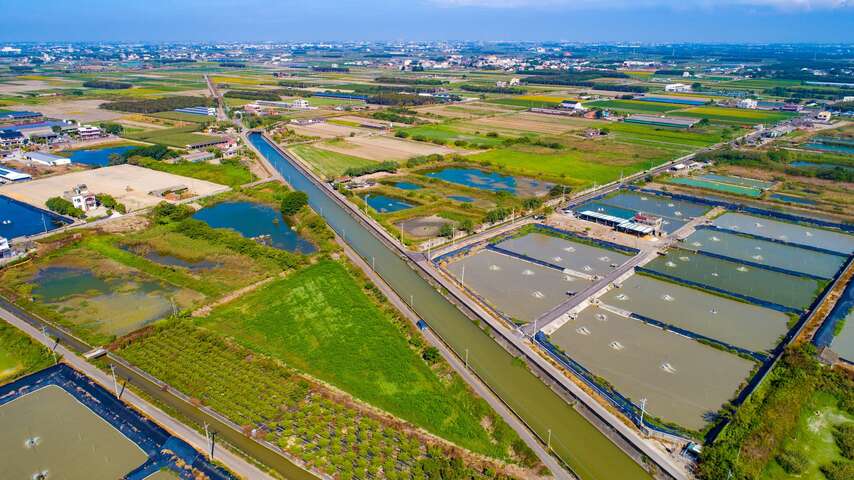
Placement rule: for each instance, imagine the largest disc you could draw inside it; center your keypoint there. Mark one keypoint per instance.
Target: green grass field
(588, 162)
(813, 438)
(449, 134)
(231, 173)
(321, 321)
(178, 137)
(328, 163)
(636, 106)
(184, 117)
(19, 355)
(738, 116)
(522, 102)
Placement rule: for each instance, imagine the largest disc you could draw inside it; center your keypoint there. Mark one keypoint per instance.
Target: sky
(755, 21)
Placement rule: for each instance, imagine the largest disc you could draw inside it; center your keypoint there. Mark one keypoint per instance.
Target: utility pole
(373, 264)
(643, 411)
(467, 358)
(115, 380)
(549, 441)
(463, 277)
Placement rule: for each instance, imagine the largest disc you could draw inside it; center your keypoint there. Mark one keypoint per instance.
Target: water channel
(575, 440)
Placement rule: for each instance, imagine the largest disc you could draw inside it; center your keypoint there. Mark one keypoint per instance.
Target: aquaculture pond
(831, 240)
(492, 181)
(790, 291)
(49, 432)
(408, 186)
(719, 186)
(520, 289)
(584, 259)
(674, 213)
(828, 166)
(461, 198)
(113, 306)
(97, 157)
(683, 380)
(765, 252)
(730, 321)
(791, 199)
(255, 220)
(384, 204)
(18, 219)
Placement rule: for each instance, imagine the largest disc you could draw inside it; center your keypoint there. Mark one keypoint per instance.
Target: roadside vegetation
(19, 354)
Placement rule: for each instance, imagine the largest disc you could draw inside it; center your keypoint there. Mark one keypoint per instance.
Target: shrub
(793, 461)
(844, 435)
(839, 470)
(430, 355)
(109, 202)
(64, 207)
(292, 202)
(166, 212)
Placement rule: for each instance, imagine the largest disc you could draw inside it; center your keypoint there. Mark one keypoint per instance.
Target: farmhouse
(81, 198)
(7, 175)
(677, 87)
(747, 103)
(18, 118)
(88, 132)
(672, 122)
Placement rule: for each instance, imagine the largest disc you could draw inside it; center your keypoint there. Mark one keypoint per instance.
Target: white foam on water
(667, 367)
(677, 213)
(685, 259)
(616, 345)
(670, 264)
(671, 205)
(569, 249)
(527, 272)
(601, 317)
(604, 259)
(622, 297)
(697, 244)
(758, 257)
(716, 239)
(667, 297)
(588, 268)
(569, 278)
(715, 274)
(742, 269)
(582, 331)
(494, 268)
(538, 294)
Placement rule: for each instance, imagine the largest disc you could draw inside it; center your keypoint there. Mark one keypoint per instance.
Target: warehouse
(661, 121)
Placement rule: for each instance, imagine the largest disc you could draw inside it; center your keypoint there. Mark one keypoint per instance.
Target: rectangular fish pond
(517, 288)
(765, 252)
(732, 322)
(831, 240)
(719, 186)
(492, 181)
(789, 291)
(57, 423)
(683, 380)
(255, 220)
(385, 204)
(581, 258)
(18, 219)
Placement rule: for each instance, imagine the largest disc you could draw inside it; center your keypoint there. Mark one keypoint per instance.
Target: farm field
(581, 165)
(178, 137)
(228, 172)
(450, 133)
(381, 148)
(325, 428)
(526, 122)
(323, 321)
(738, 116)
(19, 355)
(328, 163)
(635, 106)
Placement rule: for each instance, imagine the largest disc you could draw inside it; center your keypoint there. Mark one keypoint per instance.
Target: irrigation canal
(588, 452)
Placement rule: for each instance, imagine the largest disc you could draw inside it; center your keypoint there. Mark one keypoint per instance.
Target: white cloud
(677, 4)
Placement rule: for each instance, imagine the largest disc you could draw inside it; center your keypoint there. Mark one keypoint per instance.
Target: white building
(81, 198)
(748, 103)
(5, 249)
(88, 132)
(823, 116)
(677, 87)
(577, 106)
(46, 159)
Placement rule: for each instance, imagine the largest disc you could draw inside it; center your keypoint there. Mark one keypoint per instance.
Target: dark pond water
(99, 157)
(169, 260)
(819, 165)
(461, 198)
(384, 204)
(408, 186)
(253, 220)
(792, 199)
(491, 181)
(18, 219)
(56, 283)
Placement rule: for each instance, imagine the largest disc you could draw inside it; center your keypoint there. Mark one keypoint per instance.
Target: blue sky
(569, 20)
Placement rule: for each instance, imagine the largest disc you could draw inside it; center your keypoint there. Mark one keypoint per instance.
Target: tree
(430, 355)
(467, 225)
(64, 207)
(446, 230)
(292, 202)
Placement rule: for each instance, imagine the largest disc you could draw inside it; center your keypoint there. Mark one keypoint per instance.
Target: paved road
(220, 108)
(221, 454)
